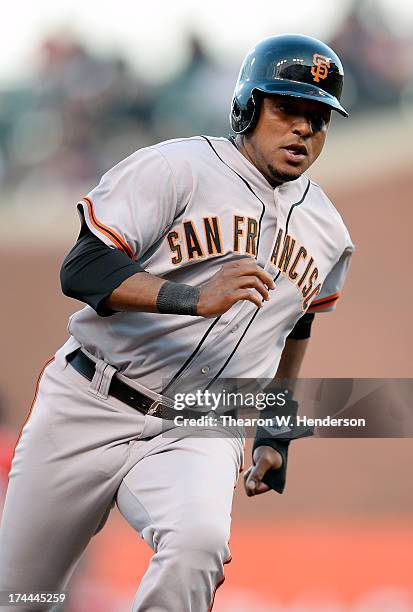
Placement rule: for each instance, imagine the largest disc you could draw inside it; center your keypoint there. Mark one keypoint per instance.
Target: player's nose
(302, 126)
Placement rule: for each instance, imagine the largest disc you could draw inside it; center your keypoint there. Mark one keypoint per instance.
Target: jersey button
(205, 369)
(234, 329)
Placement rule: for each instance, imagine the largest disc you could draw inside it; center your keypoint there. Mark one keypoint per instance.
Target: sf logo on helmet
(320, 68)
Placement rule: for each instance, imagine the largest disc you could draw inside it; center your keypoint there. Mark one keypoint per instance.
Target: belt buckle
(154, 407)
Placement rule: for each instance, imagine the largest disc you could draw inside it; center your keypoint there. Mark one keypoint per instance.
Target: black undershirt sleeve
(302, 329)
(92, 270)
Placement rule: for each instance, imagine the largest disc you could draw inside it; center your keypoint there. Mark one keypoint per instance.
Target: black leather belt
(130, 396)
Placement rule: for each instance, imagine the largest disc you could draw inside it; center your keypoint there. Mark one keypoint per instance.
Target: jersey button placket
(277, 203)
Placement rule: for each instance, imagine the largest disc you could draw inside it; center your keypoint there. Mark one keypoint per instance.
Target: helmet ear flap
(237, 116)
(243, 119)
(252, 111)
(236, 111)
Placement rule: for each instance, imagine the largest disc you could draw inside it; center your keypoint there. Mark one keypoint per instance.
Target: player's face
(288, 138)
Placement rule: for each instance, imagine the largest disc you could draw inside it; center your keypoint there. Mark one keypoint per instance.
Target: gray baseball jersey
(183, 208)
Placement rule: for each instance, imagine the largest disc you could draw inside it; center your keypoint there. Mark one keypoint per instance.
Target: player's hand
(235, 281)
(265, 458)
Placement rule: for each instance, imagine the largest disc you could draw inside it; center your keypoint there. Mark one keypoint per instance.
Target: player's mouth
(295, 153)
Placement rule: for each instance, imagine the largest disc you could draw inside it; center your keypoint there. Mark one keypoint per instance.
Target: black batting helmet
(290, 65)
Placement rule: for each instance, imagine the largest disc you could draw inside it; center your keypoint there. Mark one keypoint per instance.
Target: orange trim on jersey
(323, 302)
(108, 231)
(333, 296)
(318, 308)
(33, 402)
(218, 584)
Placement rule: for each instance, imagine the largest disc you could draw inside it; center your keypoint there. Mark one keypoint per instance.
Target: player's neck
(238, 142)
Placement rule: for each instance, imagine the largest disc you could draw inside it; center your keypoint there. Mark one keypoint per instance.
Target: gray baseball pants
(79, 453)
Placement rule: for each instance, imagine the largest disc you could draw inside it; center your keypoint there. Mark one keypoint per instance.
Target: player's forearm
(294, 351)
(137, 293)
(109, 281)
(269, 450)
(292, 358)
(235, 281)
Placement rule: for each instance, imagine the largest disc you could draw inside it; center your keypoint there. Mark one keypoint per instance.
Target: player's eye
(286, 108)
(319, 121)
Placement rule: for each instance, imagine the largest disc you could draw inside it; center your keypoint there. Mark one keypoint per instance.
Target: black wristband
(285, 426)
(178, 298)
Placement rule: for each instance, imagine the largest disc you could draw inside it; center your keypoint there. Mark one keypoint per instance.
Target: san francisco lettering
(189, 243)
(298, 266)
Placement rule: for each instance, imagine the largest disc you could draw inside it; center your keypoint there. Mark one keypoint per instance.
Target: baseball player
(197, 258)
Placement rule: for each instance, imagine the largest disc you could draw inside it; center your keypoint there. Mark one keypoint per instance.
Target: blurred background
(84, 84)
